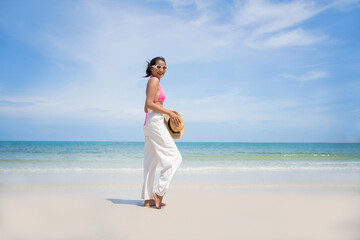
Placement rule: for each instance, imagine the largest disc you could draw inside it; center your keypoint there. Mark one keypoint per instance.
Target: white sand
(192, 213)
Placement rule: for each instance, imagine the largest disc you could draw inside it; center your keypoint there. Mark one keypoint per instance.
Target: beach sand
(193, 212)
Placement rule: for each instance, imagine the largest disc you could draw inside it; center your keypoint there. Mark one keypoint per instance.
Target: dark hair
(153, 62)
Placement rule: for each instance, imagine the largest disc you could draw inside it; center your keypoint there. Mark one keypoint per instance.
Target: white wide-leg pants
(159, 147)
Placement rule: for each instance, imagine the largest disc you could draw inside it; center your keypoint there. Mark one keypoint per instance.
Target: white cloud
(248, 111)
(205, 10)
(7, 103)
(259, 24)
(267, 17)
(312, 75)
(267, 24)
(345, 5)
(297, 37)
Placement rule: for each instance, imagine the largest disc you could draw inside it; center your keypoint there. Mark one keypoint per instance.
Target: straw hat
(175, 131)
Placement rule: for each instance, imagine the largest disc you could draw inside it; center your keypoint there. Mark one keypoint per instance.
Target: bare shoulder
(153, 81)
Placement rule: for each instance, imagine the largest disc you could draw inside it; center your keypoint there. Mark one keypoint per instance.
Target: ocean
(233, 163)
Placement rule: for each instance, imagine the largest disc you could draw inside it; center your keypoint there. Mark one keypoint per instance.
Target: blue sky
(247, 71)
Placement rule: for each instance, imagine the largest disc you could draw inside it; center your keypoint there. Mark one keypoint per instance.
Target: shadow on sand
(139, 203)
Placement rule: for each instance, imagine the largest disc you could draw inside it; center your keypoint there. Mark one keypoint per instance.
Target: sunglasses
(159, 67)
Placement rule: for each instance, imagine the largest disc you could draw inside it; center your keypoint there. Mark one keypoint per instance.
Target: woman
(159, 146)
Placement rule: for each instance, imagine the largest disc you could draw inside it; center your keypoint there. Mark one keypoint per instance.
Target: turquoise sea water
(114, 164)
(37, 156)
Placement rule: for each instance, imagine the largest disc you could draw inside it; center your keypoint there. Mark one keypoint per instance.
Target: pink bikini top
(161, 96)
(161, 99)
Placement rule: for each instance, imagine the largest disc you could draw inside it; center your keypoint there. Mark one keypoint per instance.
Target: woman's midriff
(157, 103)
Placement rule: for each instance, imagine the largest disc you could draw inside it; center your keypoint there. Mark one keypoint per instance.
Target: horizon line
(175, 141)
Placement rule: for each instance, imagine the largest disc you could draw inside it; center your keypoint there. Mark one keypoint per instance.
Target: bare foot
(151, 203)
(158, 200)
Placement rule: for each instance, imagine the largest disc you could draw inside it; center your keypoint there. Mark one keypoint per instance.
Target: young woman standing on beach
(159, 145)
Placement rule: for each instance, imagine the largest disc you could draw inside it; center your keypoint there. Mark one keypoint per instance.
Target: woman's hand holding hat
(174, 124)
(174, 117)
